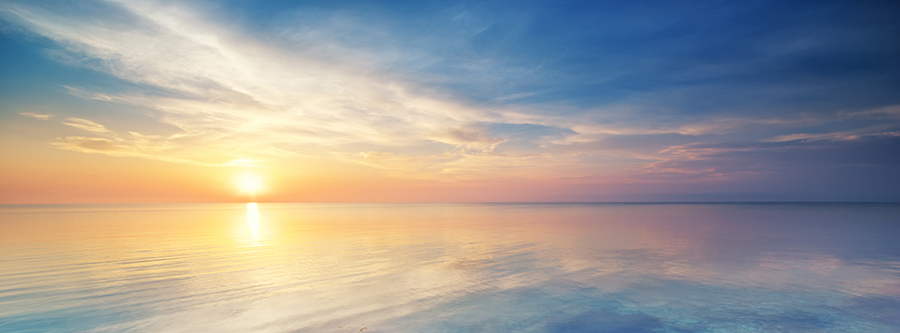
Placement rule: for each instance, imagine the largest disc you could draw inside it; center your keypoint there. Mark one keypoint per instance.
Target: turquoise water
(450, 268)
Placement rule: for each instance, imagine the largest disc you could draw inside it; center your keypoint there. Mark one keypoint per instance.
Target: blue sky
(601, 101)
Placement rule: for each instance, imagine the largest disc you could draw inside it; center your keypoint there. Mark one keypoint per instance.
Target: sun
(250, 184)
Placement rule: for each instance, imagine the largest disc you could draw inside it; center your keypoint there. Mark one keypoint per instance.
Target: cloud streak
(85, 124)
(230, 88)
(36, 115)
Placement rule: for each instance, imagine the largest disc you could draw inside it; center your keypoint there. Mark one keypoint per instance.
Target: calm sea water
(450, 268)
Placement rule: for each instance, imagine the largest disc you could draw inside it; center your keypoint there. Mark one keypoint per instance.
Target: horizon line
(461, 202)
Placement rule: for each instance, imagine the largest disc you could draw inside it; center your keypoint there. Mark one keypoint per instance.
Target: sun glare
(250, 184)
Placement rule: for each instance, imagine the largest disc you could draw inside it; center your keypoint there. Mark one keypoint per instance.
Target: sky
(449, 101)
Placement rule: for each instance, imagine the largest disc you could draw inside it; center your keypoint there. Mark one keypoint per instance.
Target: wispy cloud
(225, 87)
(823, 136)
(85, 124)
(176, 148)
(797, 152)
(36, 115)
(888, 112)
(135, 147)
(282, 152)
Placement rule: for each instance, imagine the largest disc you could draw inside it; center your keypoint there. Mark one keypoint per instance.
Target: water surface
(450, 268)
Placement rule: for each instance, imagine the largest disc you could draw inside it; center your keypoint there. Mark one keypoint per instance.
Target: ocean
(498, 267)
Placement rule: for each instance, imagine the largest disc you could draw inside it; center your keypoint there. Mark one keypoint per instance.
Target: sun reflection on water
(253, 219)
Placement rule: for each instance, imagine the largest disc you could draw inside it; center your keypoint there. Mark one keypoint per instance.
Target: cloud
(804, 153)
(93, 145)
(86, 125)
(469, 137)
(223, 87)
(275, 151)
(824, 136)
(78, 92)
(891, 112)
(36, 115)
(152, 147)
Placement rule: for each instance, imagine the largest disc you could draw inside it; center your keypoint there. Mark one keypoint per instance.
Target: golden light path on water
(449, 268)
(253, 219)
